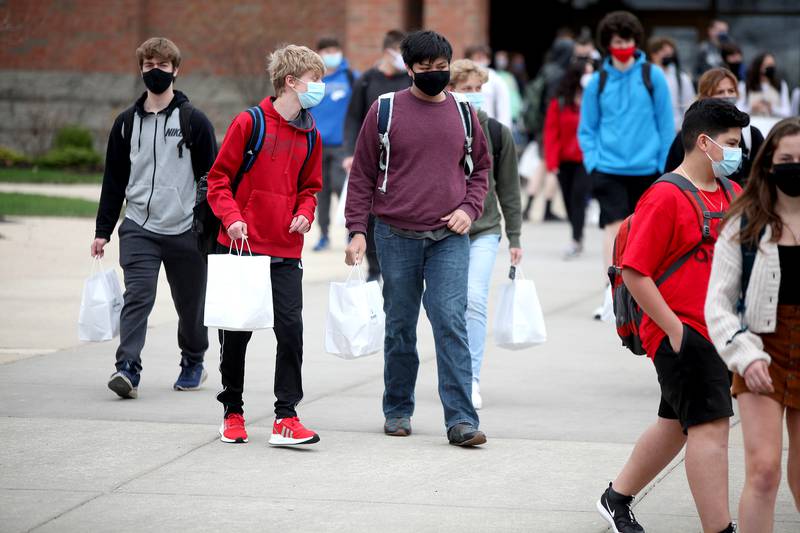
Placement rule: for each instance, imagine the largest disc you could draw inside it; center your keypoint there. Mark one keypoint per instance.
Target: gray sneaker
(465, 435)
(397, 427)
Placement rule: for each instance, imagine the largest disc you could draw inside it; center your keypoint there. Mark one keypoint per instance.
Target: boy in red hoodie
(272, 207)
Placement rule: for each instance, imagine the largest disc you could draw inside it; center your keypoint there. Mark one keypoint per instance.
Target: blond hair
(293, 60)
(159, 48)
(708, 82)
(462, 69)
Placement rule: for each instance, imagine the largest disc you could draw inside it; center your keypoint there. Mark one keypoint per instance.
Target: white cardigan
(740, 350)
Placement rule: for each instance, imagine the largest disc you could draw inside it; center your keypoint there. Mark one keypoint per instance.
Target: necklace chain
(710, 203)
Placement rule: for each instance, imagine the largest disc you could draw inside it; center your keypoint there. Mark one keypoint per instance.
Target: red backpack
(627, 312)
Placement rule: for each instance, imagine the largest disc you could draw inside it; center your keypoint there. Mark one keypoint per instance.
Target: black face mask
(157, 81)
(668, 60)
(433, 82)
(786, 177)
(769, 72)
(735, 67)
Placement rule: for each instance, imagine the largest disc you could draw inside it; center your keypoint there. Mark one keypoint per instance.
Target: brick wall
(463, 22)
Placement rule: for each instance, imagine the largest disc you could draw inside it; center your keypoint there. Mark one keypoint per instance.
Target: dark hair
(425, 45)
(328, 42)
(477, 49)
(393, 38)
(622, 23)
(757, 201)
(753, 82)
(728, 49)
(570, 84)
(710, 116)
(655, 44)
(583, 40)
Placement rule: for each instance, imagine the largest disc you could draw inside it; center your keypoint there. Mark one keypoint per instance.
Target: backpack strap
(496, 136)
(311, 142)
(351, 77)
(385, 108)
(128, 116)
(647, 77)
(254, 144)
(185, 111)
(749, 252)
(466, 120)
(601, 84)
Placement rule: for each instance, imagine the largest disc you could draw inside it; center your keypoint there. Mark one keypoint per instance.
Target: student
(563, 154)
(709, 53)
(760, 345)
(425, 199)
(665, 235)
(154, 168)
(626, 124)
(467, 78)
(330, 116)
(663, 52)
(763, 93)
(498, 99)
(272, 207)
(388, 76)
(721, 83)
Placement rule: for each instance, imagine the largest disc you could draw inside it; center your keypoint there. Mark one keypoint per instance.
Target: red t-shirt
(665, 226)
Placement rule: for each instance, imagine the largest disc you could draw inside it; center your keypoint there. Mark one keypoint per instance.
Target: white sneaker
(477, 401)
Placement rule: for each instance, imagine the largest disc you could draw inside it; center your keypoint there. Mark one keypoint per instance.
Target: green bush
(12, 158)
(71, 157)
(73, 137)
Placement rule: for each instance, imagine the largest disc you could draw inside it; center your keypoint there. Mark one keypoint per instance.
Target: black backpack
(205, 224)
(185, 111)
(646, 78)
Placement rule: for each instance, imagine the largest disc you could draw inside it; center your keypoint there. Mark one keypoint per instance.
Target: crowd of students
(712, 210)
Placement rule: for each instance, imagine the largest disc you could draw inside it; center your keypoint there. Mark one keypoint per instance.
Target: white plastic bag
(101, 304)
(238, 291)
(340, 218)
(608, 315)
(518, 321)
(355, 326)
(529, 160)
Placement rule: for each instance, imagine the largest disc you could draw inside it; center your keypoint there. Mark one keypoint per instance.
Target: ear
(702, 143)
(175, 72)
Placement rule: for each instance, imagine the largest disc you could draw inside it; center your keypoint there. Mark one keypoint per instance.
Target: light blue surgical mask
(476, 100)
(315, 92)
(332, 61)
(731, 161)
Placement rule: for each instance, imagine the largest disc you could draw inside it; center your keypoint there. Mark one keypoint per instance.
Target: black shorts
(695, 383)
(618, 195)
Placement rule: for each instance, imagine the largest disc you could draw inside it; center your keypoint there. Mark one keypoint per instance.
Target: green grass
(42, 175)
(36, 205)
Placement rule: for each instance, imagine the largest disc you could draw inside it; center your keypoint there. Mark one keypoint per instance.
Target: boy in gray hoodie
(157, 149)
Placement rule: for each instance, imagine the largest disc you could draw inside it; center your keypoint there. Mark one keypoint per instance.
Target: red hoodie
(561, 135)
(273, 192)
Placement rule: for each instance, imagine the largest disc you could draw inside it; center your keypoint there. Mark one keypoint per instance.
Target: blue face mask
(332, 61)
(315, 92)
(476, 100)
(731, 161)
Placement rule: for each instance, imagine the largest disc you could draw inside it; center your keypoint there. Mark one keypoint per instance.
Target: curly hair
(622, 23)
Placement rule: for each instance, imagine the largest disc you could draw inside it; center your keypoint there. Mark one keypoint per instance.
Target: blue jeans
(435, 274)
(482, 253)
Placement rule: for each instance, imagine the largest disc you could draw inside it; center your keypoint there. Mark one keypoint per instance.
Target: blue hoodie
(629, 133)
(330, 113)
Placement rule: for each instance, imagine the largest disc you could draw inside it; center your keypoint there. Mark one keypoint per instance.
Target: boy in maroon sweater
(425, 204)
(272, 208)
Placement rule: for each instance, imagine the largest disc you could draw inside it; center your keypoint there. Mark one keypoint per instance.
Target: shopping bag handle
(97, 263)
(515, 272)
(356, 268)
(240, 250)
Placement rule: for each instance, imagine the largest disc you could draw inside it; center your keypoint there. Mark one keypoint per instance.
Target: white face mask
(397, 60)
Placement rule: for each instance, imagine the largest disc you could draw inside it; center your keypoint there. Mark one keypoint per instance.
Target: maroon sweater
(426, 181)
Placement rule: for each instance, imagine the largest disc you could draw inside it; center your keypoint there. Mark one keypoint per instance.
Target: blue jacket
(626, 131)
(331, 112)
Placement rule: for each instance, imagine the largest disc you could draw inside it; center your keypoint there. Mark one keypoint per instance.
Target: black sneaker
(125, 384)
(618, 513)
(397, 427)
(465, 435)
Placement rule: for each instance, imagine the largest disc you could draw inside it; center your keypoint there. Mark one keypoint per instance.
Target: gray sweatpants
(141, 253)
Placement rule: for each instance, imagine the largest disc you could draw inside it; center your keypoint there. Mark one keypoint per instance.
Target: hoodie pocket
(268, 216)
(166, 207)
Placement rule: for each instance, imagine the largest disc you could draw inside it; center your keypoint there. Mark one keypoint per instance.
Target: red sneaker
(232, 429)
(290, 432)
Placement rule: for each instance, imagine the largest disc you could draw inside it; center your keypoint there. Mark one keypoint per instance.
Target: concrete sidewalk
(561, 419)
